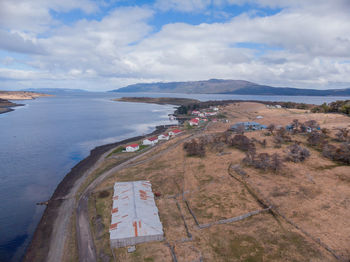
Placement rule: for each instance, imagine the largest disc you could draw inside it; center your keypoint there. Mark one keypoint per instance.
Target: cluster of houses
(213, 112)
(202, 116)
(197, 121)
(151, 141)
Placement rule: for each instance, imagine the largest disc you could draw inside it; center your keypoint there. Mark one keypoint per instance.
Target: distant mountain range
(236, 87)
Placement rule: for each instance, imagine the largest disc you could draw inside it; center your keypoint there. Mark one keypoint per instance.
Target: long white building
(135, 216)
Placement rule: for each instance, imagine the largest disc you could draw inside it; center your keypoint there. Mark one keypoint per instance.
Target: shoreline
(6, 106)
(39, 245)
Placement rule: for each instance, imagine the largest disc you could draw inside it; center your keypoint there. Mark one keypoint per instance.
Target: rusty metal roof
(134, 211)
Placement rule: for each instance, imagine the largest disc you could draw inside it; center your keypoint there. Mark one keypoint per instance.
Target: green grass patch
(143, 146)
(116, 151)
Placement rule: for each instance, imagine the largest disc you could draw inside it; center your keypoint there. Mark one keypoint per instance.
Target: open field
(308, 220)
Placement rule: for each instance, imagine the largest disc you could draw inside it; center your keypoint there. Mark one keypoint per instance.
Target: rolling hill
(219, 86)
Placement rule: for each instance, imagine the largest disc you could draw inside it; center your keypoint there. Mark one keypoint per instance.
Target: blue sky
(102, 45)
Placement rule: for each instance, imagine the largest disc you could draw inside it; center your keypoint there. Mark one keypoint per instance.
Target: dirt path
(61, 225)
(87, 252)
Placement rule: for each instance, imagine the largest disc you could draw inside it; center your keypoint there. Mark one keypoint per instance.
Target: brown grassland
(314, 195)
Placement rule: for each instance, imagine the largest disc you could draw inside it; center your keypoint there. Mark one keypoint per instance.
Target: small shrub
(242, 142)
(103, 194)
(316, 138)
(194, 148)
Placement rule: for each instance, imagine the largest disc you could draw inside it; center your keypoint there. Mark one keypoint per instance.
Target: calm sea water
(42, 141)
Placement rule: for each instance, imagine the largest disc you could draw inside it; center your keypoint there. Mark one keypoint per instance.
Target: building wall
(131, 241)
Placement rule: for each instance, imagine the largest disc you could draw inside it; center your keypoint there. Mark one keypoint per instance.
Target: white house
(150, 141)
(132, 148)
(163, 137)
(175, 132)
(195, 112)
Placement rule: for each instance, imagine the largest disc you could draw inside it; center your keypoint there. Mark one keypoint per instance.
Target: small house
(163, 137)
(150, 141)
(175, 132)
(194, 122)
(248, 126)
(195, 112)
(132, 148)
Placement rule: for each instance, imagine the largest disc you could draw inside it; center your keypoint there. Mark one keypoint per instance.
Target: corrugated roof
(134, 212)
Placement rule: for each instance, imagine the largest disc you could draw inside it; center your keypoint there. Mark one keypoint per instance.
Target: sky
(107, 44)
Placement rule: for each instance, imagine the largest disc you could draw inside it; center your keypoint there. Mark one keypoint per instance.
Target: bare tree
(271, 128)
(342, 134)
(295, 125)
(316, 138)
(276, 163)
(264, 161)
(329, 150)
(281, 137)
(343, 153)
(296, 153)
(242, 142)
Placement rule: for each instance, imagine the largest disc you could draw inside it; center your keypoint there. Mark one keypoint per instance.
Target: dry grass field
(314, 195)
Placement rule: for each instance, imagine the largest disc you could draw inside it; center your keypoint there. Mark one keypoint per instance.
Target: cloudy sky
(107, 44)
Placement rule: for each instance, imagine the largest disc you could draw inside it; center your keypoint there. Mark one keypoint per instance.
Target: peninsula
(20, 95)
(5, 96)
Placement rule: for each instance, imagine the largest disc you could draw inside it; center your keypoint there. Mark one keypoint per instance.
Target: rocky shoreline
(6, 106)
(39, 246)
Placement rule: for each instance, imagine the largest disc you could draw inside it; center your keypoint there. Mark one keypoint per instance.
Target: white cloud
(306, 44)
(34, 16)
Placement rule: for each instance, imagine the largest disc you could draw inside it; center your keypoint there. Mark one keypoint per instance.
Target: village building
(163, 137)
(194, 122)
(195, 112)
(132, 148)
(210, 113)
(151, 141)
(135, 217)
(248, 126)
(175, 132)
